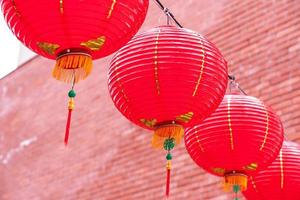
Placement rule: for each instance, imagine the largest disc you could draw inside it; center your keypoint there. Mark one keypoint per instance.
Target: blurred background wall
(109, 158)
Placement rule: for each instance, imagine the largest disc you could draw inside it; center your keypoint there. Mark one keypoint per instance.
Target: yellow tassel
(166, 131)
(72, 66)
(235, 179)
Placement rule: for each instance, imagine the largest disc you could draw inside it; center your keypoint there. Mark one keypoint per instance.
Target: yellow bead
(71, 104)
(169, 165)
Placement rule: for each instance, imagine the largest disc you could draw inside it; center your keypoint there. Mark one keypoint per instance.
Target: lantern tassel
(164, 132)
(68, 127)
(168, 178)
(71, 105)
(72, 66)
(234, 180)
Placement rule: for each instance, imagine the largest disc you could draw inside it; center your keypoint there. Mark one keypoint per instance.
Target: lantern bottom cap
(232, 180)
(163, 132)
(72, 67)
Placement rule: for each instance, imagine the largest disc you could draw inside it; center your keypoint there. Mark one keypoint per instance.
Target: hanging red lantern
(242, 137)
(166, 79)
(281, 180)
(74, 32)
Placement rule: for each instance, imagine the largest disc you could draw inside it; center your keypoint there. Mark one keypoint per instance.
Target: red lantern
(242, 137)
(74, 31)
(165, 79)
(281, 180)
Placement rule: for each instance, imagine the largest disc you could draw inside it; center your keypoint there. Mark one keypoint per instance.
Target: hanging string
(168, 18)
(71, 105)
(234, 84)
(168, 13)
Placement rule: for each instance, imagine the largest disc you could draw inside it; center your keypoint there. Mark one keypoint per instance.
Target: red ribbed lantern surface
(281, 180)
(167, 75)
(242, 137)
(74, 32)
(89, 28)
(165, 79)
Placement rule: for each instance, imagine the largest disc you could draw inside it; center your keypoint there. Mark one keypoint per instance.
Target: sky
(12, 52)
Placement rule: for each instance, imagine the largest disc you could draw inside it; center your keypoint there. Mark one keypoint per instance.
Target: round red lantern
(242, 137)
(74, 32)
(281, 180)
(166, 79)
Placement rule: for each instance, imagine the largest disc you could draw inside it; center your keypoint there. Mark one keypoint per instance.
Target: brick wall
(108, 158)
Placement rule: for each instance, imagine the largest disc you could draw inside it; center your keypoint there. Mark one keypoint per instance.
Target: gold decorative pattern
(251, 167)
(229, 125)
(111, 9)
(156, 64)
(149, 122)
(281, 170)
(94, 44)
(220, 171)
(48, 48)
(201, 70)
(185, 117)
(61, 6)
(267, 131)
(198, 141)
(15, 7)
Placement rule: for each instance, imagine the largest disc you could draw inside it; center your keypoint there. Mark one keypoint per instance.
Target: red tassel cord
(168, 178)
(71, 94)
(68, 126)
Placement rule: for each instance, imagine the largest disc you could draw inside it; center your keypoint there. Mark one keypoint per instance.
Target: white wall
(12, 53)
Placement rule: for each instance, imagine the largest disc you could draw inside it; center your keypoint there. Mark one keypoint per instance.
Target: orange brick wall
(108, 158)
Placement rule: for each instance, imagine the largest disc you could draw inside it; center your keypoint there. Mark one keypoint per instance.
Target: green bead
(169, 156)
(236, 198)
(71, 94)
(169, 144)
(236, 188)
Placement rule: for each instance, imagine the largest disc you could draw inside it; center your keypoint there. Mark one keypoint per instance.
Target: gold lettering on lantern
(111, 9)
(185, 117)
(48, 48)
(281, 170)
(156, 64)
(229, 125)
(149, 122)
(251, 166)
(267, 131)
(201, 69)
(220, 171)
(15, 7)
(61, 6)
(94, 44)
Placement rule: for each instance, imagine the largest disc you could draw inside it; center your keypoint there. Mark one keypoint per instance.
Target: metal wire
(168, 13)
(232, 79)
